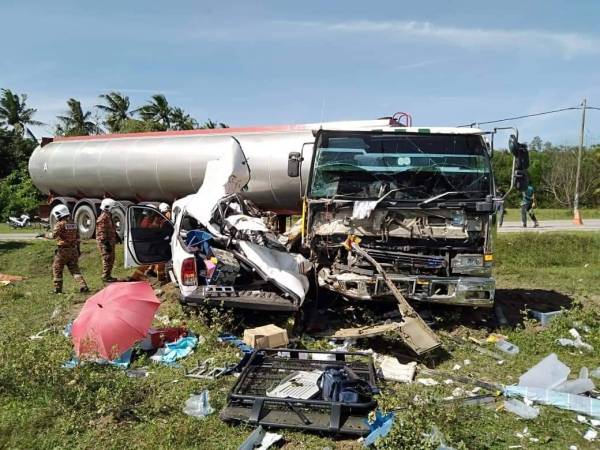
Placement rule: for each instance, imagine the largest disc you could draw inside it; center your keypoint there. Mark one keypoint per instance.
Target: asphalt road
(551, 225)
(17, 236)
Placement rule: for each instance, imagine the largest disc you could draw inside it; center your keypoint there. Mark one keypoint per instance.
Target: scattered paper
(590, 435)
(427, 381)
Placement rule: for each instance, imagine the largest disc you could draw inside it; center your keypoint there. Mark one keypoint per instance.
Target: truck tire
(85, 218)
(228, 267)
(119, 219)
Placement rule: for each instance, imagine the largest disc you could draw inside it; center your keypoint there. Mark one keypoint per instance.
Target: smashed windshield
(400, 166)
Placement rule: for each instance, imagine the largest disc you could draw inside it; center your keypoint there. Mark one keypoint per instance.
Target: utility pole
(576, 214)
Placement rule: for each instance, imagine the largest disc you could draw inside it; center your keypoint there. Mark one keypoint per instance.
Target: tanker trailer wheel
(85, 218)
(118, 216)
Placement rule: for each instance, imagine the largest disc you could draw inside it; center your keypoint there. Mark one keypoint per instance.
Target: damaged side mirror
(520, 154)
(294, 162)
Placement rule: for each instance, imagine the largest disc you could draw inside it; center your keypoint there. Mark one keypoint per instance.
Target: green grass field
(45, 406)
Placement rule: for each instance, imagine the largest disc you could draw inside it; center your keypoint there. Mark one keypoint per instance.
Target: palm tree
(76, 122)
(116, 109)
(209, 124)
(182, 121)
(157, 110)
(14, 113)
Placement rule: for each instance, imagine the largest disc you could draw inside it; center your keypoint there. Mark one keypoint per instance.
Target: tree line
(114, 114)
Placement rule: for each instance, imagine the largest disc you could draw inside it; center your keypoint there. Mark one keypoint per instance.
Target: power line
(529, 115)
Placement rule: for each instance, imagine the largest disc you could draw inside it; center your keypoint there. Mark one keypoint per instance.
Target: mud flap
(413, 329)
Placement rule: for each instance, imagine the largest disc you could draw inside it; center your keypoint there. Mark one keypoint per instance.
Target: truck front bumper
(461, 291)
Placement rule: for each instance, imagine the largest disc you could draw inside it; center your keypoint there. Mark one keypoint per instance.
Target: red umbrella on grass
(114, 319)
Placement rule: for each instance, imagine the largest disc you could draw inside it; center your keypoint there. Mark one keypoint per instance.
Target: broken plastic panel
(507, 347)
(577, 386)
(578, 403)
(521, 409)
(546, 374)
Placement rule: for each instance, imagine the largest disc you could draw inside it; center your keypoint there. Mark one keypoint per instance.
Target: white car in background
(242, 264)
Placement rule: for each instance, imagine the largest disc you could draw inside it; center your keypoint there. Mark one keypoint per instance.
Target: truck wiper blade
(444, 194)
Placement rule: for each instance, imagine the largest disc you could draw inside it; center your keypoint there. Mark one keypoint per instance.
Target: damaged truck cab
(419, 201)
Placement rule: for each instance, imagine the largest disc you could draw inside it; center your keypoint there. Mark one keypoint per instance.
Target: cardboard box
(269, 336)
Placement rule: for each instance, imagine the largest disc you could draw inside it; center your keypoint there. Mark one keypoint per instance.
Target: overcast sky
(271, 62)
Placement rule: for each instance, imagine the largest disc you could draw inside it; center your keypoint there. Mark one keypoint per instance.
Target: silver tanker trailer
(164, 166)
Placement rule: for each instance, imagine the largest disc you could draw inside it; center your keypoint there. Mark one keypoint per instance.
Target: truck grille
(408, 259)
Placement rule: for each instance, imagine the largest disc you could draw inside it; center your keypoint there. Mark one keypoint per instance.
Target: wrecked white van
(217, 246)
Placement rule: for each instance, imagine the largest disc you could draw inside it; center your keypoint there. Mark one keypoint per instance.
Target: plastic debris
(467, 362)
(576, 342)
(301, 384)
(198, 405)
(458, 392)
(590, 435)
(438, 437)
(137, 373)
(577, 386)
(427, 381)
(380, 427)
(507, 347)
(456, 367)
(495, 337)
(546, 374)
(544, 318)
(260, 439)
(577, 403)
(521, 409)
(391, 369)
(40, 334)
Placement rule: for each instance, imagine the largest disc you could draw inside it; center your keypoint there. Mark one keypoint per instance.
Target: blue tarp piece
(174, 351)
(122, 361)
(200, 239)
(573, 402)
(380, 427)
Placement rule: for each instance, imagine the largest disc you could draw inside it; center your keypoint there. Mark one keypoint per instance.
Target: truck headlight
(467, 261)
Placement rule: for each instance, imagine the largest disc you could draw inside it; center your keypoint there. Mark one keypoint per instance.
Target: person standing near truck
(527, 206)
(67, 249)
(106, 236)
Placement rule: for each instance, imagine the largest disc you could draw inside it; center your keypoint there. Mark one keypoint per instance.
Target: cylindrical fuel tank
(166, 166)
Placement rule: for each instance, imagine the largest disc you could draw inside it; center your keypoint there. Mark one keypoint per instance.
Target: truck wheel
(118, 216)
(85, 218)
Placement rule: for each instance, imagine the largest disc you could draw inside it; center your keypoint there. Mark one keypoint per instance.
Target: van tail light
(188, 272)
